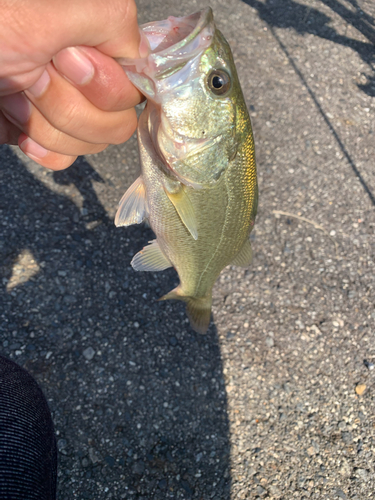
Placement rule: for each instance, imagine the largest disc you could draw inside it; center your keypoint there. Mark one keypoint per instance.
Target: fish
(198, 185)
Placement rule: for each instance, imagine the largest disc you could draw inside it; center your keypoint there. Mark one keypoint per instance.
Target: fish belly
(223, 217)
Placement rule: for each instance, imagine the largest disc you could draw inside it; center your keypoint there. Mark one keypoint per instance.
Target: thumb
(32, 32)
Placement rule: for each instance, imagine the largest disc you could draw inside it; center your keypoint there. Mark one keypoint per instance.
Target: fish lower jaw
(183, 150)
(178, 145)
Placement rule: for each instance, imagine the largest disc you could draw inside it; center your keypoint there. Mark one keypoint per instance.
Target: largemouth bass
(198, 187)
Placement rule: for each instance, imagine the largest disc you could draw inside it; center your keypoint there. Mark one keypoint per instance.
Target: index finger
(107, 86)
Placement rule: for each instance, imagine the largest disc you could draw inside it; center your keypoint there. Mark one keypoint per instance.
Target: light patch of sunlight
(24, 268)
(45, 176)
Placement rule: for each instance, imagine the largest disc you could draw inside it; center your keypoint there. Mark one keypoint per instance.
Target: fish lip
(203, 17)
(177, 53)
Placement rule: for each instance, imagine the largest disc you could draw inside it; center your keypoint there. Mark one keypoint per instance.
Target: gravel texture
(277, 400)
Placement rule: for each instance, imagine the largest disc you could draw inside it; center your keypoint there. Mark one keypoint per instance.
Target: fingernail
(73, 64)
(32, 149)
(144, 46)
(40, 86)
(16, 107)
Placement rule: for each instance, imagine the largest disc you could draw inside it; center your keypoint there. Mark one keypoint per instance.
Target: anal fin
(151, 258)
(181, 201)
(132, 206)
(244, 257)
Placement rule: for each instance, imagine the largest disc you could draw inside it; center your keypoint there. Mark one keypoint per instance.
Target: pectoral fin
(244, 257)
(184, 208)
(132, 206)
(151, 258)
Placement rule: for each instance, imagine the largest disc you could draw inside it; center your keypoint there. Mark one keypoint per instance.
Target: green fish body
(198, 187)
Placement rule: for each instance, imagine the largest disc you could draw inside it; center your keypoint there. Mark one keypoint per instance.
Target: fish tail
(198, 308)
(199, 312)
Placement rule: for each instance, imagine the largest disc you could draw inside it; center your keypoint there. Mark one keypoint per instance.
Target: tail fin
(198, 308)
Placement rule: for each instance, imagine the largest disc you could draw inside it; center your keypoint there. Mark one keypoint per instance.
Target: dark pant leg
(28, 457)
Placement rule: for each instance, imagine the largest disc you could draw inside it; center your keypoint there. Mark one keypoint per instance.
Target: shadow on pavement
(138, 399)
(303, 19)
(289, 14)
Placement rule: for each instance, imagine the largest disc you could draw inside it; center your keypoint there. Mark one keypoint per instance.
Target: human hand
(75, 100)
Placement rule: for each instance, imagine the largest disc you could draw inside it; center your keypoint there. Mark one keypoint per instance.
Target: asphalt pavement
(277, 400)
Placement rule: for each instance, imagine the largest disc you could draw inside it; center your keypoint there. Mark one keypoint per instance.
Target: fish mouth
(173, 43)
(176, 33)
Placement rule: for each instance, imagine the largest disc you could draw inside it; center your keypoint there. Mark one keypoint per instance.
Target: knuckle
(113, 99)
(58, 142)
(129, 9)
(70, 118)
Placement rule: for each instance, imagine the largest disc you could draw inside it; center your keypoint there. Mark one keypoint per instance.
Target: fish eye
(219, 82)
